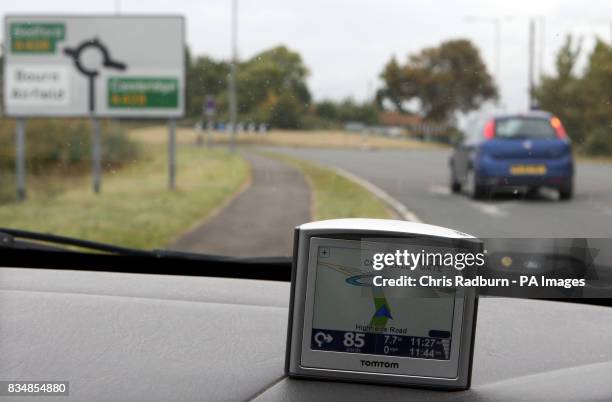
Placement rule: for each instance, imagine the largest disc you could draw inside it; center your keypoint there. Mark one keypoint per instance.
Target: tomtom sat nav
(343, 326)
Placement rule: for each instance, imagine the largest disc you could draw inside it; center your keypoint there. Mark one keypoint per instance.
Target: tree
(597, 90)
(327, 110)
(275, 71)
(393, 90)
(205, 76)
(561, 94)
(261, 82)
(445, 79)
(286, 112)
(349, 110)
(581, 100)
(1, 80)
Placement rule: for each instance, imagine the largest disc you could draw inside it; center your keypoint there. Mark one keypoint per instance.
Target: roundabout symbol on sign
(91, 74)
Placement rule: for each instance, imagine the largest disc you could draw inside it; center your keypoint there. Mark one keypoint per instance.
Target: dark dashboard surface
(118, 336)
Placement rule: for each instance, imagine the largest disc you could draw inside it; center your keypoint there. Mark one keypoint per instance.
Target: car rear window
(524, 127)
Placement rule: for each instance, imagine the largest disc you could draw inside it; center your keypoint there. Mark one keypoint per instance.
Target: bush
(63, 146)
(453, 136)
(7, 188)
(598, 143)
(117, 147)
(313, 122)
(286, 113)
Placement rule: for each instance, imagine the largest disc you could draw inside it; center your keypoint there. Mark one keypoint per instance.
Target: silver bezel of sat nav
(302, 361)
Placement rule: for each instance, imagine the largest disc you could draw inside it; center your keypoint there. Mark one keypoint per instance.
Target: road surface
(419, 180)
(259, 221)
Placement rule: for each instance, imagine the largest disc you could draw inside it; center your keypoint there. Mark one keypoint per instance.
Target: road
(419, 180)
(260, 220)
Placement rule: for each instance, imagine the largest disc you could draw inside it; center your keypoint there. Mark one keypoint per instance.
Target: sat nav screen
(351, 315)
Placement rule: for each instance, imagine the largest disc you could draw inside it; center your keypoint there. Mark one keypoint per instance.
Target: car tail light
(556, 124)
(489, 129)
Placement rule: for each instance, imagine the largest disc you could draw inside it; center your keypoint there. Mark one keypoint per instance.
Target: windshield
(517, 127)
(216, 127)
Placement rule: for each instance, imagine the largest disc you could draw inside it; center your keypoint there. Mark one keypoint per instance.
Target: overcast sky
(345, 43)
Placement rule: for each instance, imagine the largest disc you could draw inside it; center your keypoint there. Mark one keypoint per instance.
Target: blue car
(513, 151)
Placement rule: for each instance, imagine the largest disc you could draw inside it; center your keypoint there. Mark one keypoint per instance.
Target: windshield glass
(216, 127)
(517, 127)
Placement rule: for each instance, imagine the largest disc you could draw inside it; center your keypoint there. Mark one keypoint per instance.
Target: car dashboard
(125, 336)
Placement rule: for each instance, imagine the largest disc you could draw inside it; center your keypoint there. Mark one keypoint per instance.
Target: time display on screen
(417, 347)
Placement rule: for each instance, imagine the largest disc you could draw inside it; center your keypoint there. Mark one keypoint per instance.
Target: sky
(346, 43)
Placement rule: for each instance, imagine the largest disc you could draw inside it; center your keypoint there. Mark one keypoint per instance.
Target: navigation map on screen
(351, 315)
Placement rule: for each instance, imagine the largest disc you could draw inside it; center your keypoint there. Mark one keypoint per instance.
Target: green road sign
(140, 92)
(39, 37)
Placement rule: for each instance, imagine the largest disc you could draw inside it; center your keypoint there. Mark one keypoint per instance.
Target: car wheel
(481, 192)
(455, 186)
(532, 192)
(474, 190)
(566, 192)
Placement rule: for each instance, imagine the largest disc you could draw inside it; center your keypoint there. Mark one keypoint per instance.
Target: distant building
(395, 124)
(413, 125)
(355, 126)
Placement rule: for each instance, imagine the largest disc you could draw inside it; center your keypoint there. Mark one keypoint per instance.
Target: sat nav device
(342, 326)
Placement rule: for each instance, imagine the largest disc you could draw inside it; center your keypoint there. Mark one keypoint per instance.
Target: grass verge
(335, 196)
(135, 208)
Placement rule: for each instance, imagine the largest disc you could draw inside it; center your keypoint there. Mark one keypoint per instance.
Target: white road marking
(394, 204)
(437, 189)
(488, 209)
(549, 193)
(485, 208)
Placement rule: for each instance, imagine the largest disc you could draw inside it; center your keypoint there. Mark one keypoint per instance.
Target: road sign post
(209, 133)
(171, 154)
(200, 133)
(96, 152)
(20, 159)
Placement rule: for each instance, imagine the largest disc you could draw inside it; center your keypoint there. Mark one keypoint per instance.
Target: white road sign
(94, 66)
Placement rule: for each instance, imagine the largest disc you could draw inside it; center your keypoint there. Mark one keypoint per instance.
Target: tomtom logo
(374, 363)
